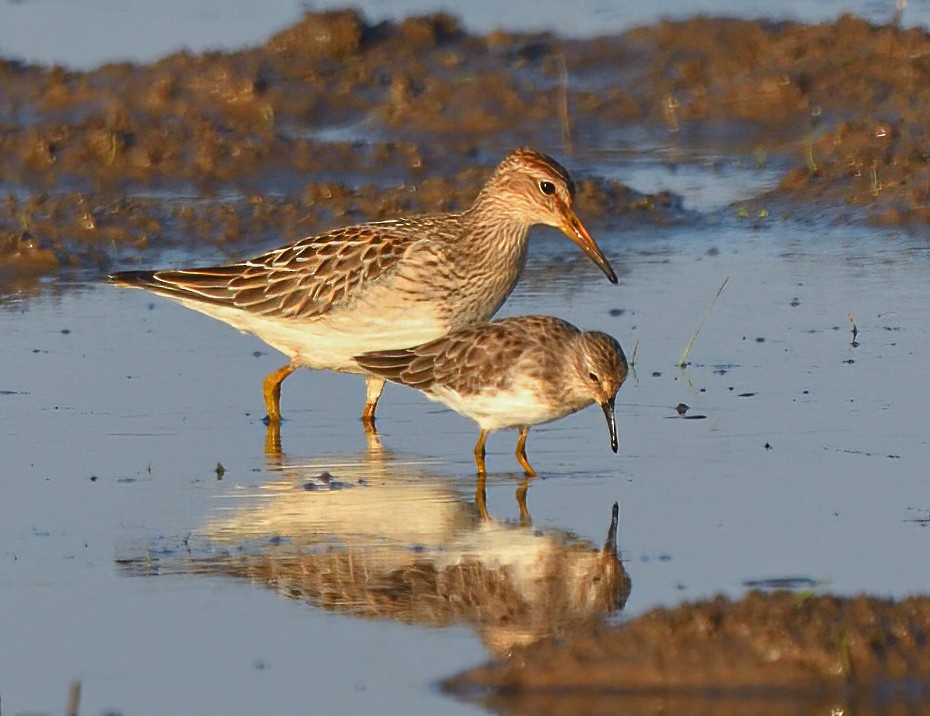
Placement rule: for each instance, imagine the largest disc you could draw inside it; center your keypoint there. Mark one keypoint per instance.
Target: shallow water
(117, 408)
(87, 34)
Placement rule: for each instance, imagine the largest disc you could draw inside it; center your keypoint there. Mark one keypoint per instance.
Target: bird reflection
(384, 537)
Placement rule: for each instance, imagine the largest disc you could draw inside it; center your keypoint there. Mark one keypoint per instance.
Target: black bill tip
(610, 544)
(608, 407)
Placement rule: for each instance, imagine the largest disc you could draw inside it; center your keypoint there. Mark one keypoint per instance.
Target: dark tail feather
(209, 285)
(386, 364)
(140, 279)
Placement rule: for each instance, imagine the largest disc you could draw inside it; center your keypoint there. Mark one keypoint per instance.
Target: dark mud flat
(332, 120)
(335, 120)
(780, 653)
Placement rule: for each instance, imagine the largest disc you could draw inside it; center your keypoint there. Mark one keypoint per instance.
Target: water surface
(117, 408)
(92, 32)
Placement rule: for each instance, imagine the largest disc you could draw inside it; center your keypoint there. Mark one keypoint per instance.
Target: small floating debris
(325, 481)
(855, 331)
(681, 409)
(793, 583)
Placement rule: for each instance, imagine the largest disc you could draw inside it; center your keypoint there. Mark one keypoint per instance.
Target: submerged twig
(74, 698)
(855, 331)
(809, 154)
(899, 7)
(564, 119)
(683, 359)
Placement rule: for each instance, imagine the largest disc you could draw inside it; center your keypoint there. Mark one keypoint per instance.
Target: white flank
(520, 403)
(331, 341)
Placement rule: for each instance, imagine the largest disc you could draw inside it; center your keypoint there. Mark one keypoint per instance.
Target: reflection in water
(381, 537)
(19, 286)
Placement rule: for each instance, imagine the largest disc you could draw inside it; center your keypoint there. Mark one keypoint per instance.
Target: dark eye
(593, 377)
(547, 187)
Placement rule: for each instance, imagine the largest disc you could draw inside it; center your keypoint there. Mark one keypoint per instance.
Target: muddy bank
(336, 120)
(785, 651)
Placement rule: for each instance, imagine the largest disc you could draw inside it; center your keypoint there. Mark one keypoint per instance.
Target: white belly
(521, 403)
(331, 341)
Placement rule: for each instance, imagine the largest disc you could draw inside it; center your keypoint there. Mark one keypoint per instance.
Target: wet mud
(774, 653)
(336, 120)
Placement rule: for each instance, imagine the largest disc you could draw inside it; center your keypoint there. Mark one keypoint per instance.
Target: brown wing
(468, 360)
(302, 280)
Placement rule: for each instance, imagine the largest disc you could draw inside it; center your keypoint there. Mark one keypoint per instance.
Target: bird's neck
(494, 228)
(492, 250)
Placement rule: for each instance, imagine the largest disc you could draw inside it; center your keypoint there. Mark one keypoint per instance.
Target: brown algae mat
(786, 652)
(336, 119)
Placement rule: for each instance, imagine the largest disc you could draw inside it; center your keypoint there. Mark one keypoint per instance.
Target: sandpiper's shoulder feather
(305, 279)
(472, 359)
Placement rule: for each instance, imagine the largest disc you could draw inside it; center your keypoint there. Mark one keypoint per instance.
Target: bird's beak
(572, 227)
(608, 407)
(610, 544)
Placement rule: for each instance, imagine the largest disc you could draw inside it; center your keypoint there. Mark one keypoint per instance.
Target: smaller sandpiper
(513, 372)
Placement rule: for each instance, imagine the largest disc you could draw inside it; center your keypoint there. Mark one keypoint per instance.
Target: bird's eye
(593, 377)
(547, 187)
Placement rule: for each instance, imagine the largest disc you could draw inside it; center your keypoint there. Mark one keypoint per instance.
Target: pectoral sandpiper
(383, 285)
(514, 372)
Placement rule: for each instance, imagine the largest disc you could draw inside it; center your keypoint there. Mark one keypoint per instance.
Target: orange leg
(373, 388)
(481, 497)
(521, 501)
(521, 451)
(272, 390)
(273, 453)
(479, 452)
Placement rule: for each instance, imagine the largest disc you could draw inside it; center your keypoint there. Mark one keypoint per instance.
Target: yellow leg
(273, 451)
(481, 497)
(373, 388)
(521, 451)
(479, 452)
(521, 501)
(272, 390)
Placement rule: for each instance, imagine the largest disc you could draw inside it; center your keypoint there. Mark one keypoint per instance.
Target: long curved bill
(608, 407)
(574, 229)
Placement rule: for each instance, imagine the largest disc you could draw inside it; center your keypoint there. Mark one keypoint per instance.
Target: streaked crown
(599, 365)
(530, 186)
